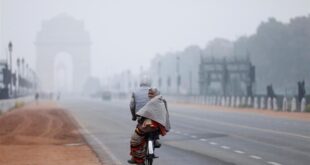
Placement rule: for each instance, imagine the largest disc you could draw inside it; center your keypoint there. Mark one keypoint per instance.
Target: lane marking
(274, 163)
(203, 140)
(225, 147)
(243, 126)
(239, 152)
(193, 136)
(255, 157)
(212, 143)
(103, 146)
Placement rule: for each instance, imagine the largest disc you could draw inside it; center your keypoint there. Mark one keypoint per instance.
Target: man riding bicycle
(153, 117)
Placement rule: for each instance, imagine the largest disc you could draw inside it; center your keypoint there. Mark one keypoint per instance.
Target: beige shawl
(156, 110)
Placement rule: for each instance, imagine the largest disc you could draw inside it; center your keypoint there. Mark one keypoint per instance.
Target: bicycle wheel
(148, 156)
(149, 161)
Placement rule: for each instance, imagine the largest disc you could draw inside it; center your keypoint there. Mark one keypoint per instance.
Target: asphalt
(199, 136)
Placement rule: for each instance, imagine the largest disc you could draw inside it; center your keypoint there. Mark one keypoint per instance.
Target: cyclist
(154, 117)
(140, 97)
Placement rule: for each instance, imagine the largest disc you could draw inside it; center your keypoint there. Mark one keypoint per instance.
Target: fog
(127, 35)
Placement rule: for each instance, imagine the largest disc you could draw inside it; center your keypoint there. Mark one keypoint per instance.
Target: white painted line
(193, 136)
(228, 124)
(255, 157)
(203, 140)
(225, 147)
(239, 152)
(274, 163)
(212, 143)
(178, 132)
(103, 146)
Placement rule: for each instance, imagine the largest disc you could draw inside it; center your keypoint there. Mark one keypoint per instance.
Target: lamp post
(178, 75)
(10, 47)
(18, 75)
(22, 75)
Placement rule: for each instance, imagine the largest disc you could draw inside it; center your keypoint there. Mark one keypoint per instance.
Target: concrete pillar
(249, 102)
(227, 102)
(262, 103)
(293, 105)
(275, 104)
(269, 103)
(218, 100)
(243, 101)
(232, 101)
(237, 101)
(284, 105)
(303, 105)
(255, 103)
(223, 101)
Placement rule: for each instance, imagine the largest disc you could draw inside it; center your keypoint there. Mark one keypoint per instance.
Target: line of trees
(280, 52)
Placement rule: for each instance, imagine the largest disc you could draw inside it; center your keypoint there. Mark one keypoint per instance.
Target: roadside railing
(284, 104)
(7, 104)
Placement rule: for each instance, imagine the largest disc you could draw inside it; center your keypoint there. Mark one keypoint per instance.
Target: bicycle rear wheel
(149, 153)
(148, 161)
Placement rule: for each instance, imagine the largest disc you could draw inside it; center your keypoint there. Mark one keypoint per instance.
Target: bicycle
(150, 148)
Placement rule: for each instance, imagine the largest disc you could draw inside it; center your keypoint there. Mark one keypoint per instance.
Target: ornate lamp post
(18, 75)
(10, 47)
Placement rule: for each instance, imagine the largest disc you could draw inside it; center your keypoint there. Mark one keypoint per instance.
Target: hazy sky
(129, 33)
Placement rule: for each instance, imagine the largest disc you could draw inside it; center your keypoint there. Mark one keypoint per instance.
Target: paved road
(198, 136)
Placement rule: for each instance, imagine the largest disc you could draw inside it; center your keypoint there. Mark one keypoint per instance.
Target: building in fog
(1, 30)
(177, 73)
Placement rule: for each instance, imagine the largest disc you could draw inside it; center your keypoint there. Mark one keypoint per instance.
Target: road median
(42, 134)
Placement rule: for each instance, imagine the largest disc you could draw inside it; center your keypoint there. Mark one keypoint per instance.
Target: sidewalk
(42, 134)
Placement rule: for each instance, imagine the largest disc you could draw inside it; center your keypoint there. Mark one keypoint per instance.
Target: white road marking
(203, 140)
(239, 152)
(243, 126)
(178, 132)
(225, 147)
(274, 163)
(103, 146)
(193, 136)
(212, 143)
(255, 157)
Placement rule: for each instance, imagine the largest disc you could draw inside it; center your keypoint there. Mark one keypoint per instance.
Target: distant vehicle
(106, 95)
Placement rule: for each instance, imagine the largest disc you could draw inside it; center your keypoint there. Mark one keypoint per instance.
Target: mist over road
(198, 136)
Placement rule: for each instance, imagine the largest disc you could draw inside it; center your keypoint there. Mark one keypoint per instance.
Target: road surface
(198, 136)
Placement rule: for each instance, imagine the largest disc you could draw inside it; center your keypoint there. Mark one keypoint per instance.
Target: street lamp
(178, 75)
(10, 46)
(18, 74)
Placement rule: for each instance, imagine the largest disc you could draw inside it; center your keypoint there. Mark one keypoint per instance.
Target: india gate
(63, 54)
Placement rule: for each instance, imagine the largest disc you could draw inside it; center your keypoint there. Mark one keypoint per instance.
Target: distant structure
(177, 73)
(195, 72)
(226, 76)
(59, 35)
